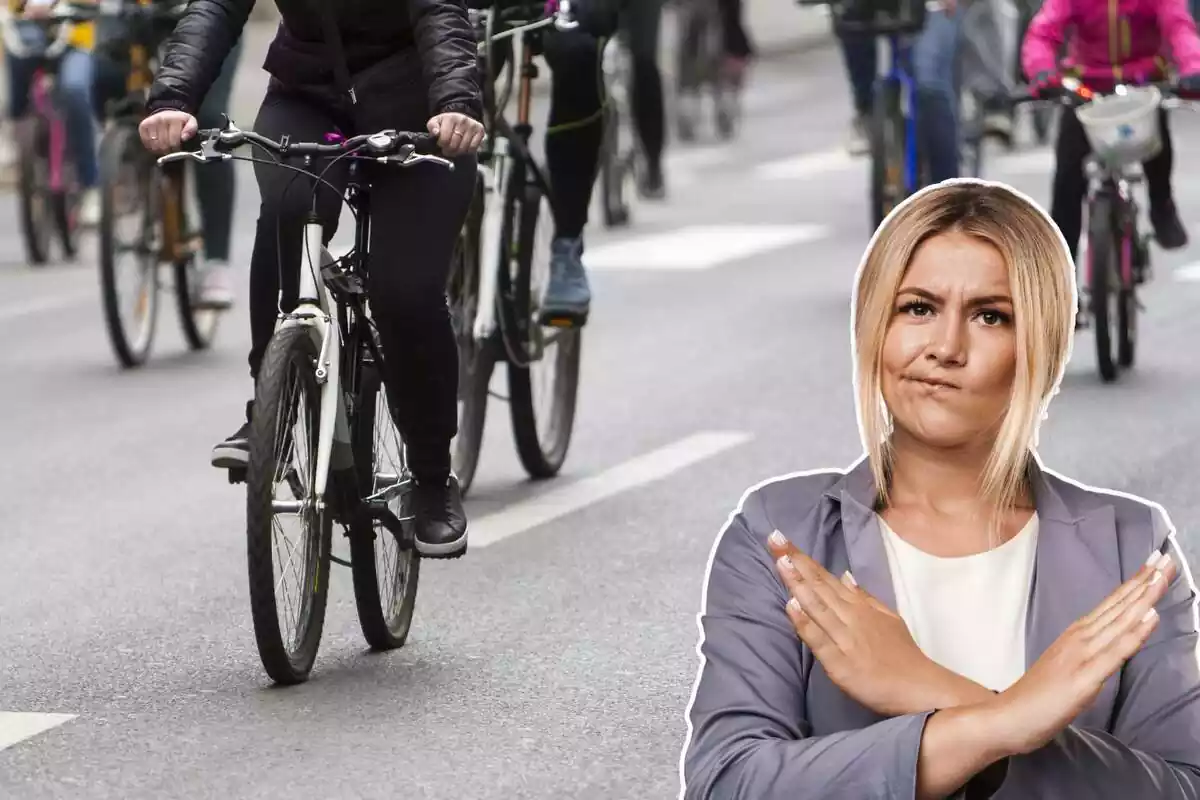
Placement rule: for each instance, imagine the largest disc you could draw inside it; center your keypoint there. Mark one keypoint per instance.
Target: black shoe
(234, 452)
(1168, 229)
(653, 187)
(439, 518)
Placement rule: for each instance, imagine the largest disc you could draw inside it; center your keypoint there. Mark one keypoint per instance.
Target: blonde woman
(948, 618)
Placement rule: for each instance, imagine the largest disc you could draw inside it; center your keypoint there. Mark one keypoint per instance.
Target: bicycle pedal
(564, 320)
(236, 474)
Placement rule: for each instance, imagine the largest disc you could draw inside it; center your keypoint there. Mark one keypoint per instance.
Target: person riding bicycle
(934, 66)
(1105, 48)
(216, 184)
(354, 68)
(76, 71)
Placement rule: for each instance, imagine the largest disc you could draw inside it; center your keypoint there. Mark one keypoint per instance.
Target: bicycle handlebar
(1074, 92)
(386, 146)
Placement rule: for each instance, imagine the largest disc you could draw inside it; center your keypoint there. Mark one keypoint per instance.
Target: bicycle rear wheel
(199, 325)
(283, 455)
(33, 186)
(385, 569)
(889, 150)
(1103, 283)
(548, 355)
(128, 187)
(476, 359)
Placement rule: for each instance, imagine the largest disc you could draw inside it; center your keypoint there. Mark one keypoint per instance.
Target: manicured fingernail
(1153, 559)
(777, 539)
(1151, 614)
(794, 605)
(849, 578)
(785, 564)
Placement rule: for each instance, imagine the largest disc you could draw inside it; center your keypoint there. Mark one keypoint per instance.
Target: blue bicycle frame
(900, 71)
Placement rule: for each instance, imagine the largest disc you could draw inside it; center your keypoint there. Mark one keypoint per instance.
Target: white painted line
(808, 165)
(639, 471)
(32, 307)
(1033, 162)
(17, 727)
(1189, 273)
(699, 246)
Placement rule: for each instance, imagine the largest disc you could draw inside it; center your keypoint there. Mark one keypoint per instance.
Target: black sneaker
(1168, 229)
(234, 452)
(439, 519)
(653, 186)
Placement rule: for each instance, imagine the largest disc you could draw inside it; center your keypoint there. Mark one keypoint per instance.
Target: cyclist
(641, 22)
(76, 71)
(738, 49)
(1143, 32)
(216, 184)
(356, 68)
(935, 65)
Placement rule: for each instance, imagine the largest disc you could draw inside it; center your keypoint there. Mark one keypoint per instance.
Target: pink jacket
(1113, 40)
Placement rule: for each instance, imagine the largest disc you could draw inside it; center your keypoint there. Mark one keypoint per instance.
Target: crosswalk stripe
(699, 247)
(16, 727)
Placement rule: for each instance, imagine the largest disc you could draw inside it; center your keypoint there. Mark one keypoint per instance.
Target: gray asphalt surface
(556, 662)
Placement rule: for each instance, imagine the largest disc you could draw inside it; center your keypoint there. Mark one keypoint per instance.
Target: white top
(967, 614)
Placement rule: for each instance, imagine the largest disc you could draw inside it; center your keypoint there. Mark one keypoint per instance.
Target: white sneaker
(89, 208)
(857, 143)
(216, 287)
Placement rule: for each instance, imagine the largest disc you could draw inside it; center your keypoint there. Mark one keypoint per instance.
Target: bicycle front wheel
(283, 458)
(129, 244)
(385, 569)
(548, 373)
(889, 151)
(199, 325)
(1103, 284)
(33, 185)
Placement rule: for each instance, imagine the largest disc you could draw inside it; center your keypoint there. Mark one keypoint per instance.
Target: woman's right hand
(1069, 675)
(164, 131)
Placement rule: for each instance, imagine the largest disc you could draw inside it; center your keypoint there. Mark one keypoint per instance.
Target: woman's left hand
(865, 647)
(457, 134)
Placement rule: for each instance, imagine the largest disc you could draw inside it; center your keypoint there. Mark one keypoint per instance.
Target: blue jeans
(75, 74)
(935, 70)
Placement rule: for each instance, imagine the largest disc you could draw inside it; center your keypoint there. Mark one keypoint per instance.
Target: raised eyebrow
(919, 292)
(991, 299)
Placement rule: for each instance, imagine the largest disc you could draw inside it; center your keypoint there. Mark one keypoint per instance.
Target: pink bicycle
(48, 188)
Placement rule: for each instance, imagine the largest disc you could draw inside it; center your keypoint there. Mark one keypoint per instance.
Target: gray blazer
(766, 723)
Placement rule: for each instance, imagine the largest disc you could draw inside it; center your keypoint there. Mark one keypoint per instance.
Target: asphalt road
(556, 661)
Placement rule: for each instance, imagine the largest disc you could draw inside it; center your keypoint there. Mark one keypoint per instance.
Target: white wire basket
(1123, 128)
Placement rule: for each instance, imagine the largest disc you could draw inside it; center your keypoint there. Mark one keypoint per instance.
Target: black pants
(641, 26)
(416, 216)
(1070, 183)
(575, 130)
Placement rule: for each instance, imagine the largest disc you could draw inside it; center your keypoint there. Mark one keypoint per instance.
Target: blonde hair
(1042, 281)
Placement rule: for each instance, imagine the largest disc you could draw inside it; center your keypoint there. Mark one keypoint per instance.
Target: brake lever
(416, 158)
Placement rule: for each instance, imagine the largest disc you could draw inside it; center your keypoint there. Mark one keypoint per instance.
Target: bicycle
(1123, 130)
(158, 199)
(620, 153)
(701, 66)
(48, 187)
(329, 349)
(497, 281)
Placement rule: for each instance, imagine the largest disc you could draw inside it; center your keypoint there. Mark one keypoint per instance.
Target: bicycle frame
(40, 94)
(900, 51)
(1118, 187)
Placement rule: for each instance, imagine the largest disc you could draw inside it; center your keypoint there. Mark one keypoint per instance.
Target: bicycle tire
(290, 351)
(199, 325)
(32, 185)
(540, 459)
(888, 148)
(1127, 310)
(476, 360)
(119, 148)
(384, 629)
(1102, 261)
(63, 206)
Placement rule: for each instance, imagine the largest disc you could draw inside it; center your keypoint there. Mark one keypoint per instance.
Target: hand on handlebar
(457, 134)
(164, 131)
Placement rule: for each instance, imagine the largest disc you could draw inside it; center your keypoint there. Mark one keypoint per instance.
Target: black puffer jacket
(382, 40)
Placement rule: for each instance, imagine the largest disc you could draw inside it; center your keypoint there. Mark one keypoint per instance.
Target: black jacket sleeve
(195, 52)
(449, 56)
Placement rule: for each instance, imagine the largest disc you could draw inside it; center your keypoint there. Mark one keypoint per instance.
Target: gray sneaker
(568, 296)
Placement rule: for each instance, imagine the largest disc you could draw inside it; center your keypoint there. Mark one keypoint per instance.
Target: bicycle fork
(495, 182)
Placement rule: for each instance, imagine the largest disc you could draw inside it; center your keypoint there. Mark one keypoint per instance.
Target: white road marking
(1032, 162)
(699, 247)
(1189, 273)
(57, 303)
(636, 472)
(808, 165)
(17, 727)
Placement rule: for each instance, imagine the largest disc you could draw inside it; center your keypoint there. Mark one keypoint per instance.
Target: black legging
(1070, 183)
(417, 213)
(641, 26)
(572, 153)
